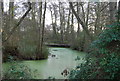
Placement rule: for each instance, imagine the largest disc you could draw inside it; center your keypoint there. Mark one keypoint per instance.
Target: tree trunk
(112, 9)
(81, 22)
(43, 26)
(1, 15)
(118, 18)
(78, 29)
(61, 23)
(97, 11)
(68, 26)
(39, 32)
(72, 29)
(87, 16)
(55, 24)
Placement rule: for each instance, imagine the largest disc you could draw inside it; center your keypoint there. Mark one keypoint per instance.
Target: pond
(53, 66)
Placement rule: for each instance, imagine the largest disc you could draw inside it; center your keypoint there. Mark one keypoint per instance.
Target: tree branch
(80, 21)
(20, 21)
(104, 7)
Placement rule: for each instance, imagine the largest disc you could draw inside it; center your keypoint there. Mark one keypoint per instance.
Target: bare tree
(68, 25)
(54, 24)
(19, 22)
(81, 22)
(55, 14)
(61, 21)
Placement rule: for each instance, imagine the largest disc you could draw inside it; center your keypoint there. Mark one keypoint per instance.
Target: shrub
(103, 59)
(18, 71)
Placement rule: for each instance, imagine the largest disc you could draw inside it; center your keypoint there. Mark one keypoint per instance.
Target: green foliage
(78, 42)
(45, 52)
(18, 71)
(103, 60)
(107, 67)
(10, 58)
(10, 53)
(113, 33)
(24, 51)
(29, 49)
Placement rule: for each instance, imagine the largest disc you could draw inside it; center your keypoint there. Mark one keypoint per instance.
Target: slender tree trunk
(51, 16)
(68, 26)
(39, 31)
(61, 23)
(83, 13)
(1, 15)
(2, 8)
(55, 24)
(63, 20)
(72, 29)
(11, 16)
(97, 18)
(43, 26)
(112, 9)
(78, 29)
(118, 18)
(87, 16)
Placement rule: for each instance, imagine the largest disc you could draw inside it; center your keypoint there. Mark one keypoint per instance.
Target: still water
(53, 66)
